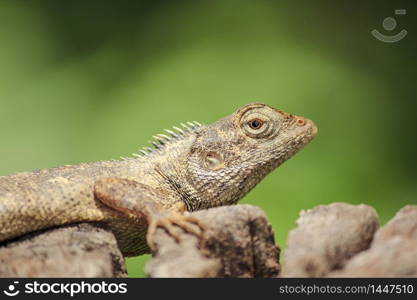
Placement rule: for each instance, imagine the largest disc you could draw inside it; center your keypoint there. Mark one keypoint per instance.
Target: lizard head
(229, 157)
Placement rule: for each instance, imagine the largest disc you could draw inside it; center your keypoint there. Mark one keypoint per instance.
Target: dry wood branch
(326, 237)
(82, 250)
(238, 243)
(393, 251)
(336, 240)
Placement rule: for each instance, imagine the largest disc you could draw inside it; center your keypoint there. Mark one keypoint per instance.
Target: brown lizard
(189, 168)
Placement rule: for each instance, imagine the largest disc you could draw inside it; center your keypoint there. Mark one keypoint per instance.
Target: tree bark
(238, 242)
(326, 237)
(335, 240)
(393, 252)
(78, 250)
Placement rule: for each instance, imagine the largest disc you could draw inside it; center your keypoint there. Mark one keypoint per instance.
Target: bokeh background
(83, 81)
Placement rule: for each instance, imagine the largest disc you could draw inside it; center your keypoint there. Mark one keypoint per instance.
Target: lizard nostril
(301, 122)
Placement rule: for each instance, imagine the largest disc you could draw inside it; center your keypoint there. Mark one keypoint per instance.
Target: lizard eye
(255, 123)
(259, 123)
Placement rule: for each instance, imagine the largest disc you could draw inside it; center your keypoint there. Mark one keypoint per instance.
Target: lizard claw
(168, 222)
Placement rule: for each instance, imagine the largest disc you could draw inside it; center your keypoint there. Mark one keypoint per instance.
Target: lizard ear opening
(213, 160)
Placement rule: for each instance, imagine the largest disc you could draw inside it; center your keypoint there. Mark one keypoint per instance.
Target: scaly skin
(196, 167)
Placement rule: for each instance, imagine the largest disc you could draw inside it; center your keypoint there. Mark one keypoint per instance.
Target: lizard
(189, 168)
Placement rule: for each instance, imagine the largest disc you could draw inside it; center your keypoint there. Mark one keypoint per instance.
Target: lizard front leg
(135, 199)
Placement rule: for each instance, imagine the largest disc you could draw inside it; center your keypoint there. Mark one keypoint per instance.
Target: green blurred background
(83, 81)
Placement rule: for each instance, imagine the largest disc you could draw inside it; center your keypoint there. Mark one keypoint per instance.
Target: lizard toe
(171, 223)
